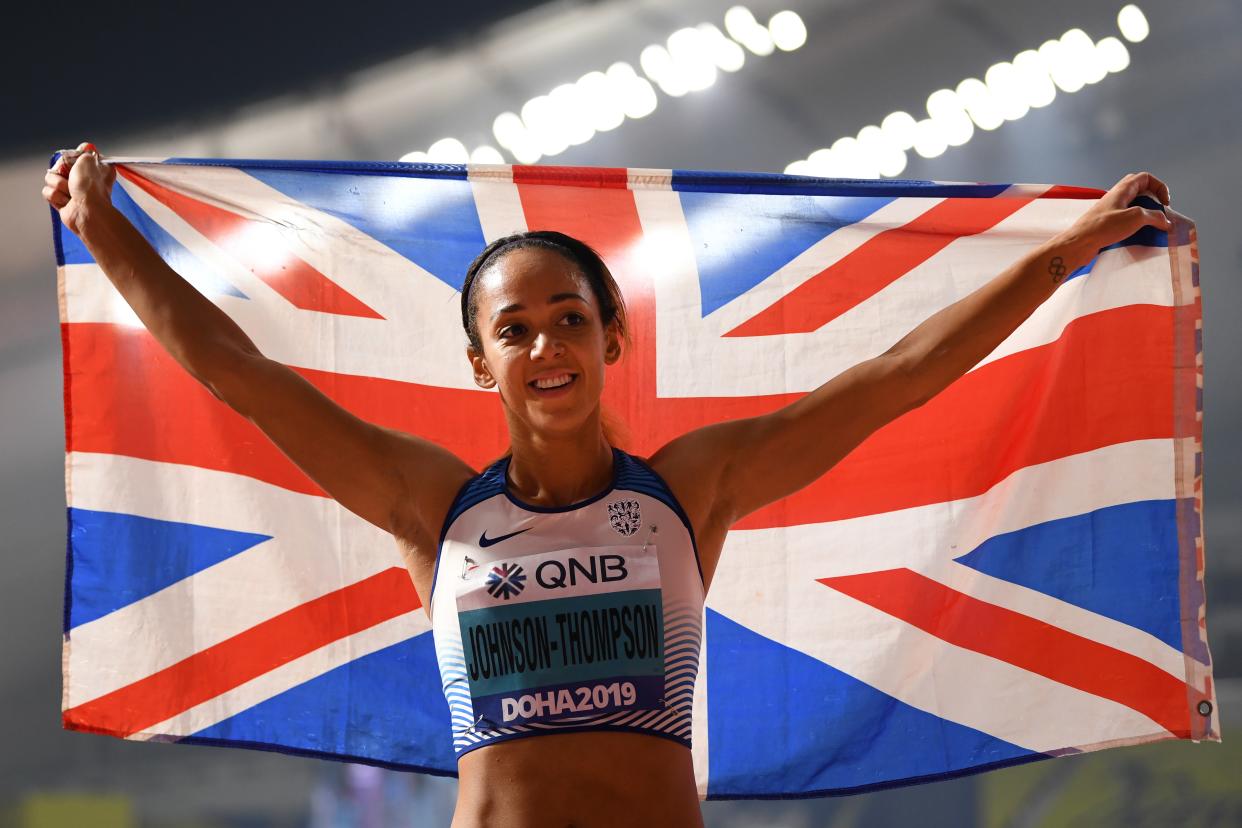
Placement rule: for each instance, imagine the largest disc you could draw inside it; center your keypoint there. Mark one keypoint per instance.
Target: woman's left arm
(734, 468)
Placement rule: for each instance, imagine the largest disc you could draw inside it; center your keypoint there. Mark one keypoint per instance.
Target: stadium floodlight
(1008, 91)
(1133, 23)
(727, 53)
(899, 127)
(486, 155)
(742, 26)
(1113, 54)
(448, 151)
(571, 114)
(787, 30)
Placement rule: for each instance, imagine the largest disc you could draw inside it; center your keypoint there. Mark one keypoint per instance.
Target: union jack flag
(1011, 572)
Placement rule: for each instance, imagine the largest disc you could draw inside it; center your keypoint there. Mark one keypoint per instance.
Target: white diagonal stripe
(317, 547)
(289, 675)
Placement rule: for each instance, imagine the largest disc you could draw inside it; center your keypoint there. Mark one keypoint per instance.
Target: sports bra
(579, 618)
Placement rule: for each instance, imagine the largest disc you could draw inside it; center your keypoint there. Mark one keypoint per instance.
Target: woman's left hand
(1112, 219)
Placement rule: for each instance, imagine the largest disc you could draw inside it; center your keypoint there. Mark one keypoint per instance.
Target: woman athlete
(544, 320)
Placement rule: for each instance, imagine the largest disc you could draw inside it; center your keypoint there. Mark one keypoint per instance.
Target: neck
(559, 469)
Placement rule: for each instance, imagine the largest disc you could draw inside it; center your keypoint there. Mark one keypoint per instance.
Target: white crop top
(586, 617)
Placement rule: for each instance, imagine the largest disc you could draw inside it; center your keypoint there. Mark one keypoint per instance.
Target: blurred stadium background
(1056, 91)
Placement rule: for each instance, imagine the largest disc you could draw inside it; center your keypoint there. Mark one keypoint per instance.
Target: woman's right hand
(75, 186)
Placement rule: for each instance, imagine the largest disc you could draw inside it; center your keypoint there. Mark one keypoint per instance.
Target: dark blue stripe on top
(1121, 562)
(828, 732)
(119, 559)
(702, 181)
(396, 168)
(741, 240)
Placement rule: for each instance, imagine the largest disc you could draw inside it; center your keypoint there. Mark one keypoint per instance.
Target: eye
(511, 331)
(573, 318)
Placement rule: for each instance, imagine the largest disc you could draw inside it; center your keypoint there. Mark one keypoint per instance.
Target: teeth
(553, 382)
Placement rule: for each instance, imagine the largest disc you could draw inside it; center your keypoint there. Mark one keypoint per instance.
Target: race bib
(563, 634)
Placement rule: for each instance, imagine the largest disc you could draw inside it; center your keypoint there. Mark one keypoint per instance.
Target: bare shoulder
(430, 478)
(693, 466)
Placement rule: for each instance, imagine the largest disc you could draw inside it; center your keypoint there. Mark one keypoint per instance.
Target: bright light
(899, 127)
(929, 141)
(787, 30)
(572, 114)
(448, 151)
(638, 98)
(848, 158)
(823, 163)
(659, 65)
(739, 21)
(980, 106)
(1076, 43)
(1133, 23)
(1006, 89)
(526, 152)
(600, 108)
(692, 56)
(1037, 87)
(883, 156)
(727, 54)
(948, 111)
(543, 122)
(894, 164)
(509, 129)
(415, 157)
(746, 30)
(1113, 54)
(1063, 69)
(486, 155)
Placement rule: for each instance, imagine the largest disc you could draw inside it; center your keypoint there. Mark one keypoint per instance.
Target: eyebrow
(552, 300)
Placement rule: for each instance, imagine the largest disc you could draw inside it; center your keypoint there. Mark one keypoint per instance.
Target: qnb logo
(505, 581)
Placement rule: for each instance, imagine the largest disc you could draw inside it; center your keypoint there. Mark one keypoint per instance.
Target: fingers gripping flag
(1010, 572)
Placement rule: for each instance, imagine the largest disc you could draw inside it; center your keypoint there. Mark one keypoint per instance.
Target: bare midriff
(578, 779)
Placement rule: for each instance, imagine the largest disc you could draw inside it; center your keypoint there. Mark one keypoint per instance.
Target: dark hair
(607, 294)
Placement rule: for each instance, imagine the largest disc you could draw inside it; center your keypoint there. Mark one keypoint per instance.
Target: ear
(482, 376)
(612, 343)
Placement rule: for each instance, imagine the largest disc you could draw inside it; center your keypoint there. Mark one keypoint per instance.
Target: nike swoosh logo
(485, 541)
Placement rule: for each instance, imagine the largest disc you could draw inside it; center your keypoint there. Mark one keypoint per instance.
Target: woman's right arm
(401, 483)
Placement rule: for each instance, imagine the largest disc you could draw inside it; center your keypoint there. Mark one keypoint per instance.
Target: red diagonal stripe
(247, 655)
(1025, 642)
(877, 263)
(260, 248)
(1105, 381)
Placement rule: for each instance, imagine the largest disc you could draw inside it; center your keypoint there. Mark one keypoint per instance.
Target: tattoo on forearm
(1058, 269)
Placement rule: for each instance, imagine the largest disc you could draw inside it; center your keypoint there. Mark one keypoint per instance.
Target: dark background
(374, 79)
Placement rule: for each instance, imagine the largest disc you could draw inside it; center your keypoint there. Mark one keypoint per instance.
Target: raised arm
(399, 482)
(731, 469)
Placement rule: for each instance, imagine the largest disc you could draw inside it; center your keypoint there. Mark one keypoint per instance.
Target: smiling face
(544, 343)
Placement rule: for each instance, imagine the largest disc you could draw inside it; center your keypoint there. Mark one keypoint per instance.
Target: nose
(545, 346)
